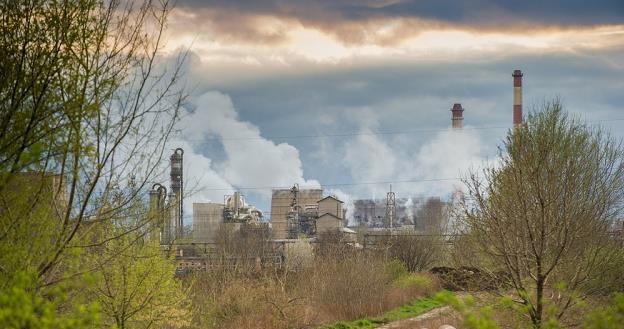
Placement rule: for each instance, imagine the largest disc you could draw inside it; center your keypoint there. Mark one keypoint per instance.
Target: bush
(337, 284)
(611, 317)
(349, 288)
(418, 253)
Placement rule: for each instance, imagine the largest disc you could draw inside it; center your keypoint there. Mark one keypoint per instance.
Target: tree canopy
(540, 217)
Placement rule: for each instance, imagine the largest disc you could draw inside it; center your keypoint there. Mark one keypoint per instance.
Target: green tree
(609, 317)
(83, 111)
(81, 99)
(540, 217)
(135, 285)
(22, 307)
(133, 278)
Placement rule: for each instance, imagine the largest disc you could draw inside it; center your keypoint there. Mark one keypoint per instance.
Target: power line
(351, 134)
(371, 133)
(333, 184)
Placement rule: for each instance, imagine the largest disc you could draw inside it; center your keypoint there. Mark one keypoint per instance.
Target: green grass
(410, 310)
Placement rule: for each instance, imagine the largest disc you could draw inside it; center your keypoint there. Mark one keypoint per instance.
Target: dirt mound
(466, 278)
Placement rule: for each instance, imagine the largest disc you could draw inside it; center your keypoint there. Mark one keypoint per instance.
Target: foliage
(541, 216)
(81, 102)
(474, 318)
(418, 253)
(610, 317)
(134, 280)
(84, 112)
(345, 283)
(135, 285)
(413, 280)
(21, 306)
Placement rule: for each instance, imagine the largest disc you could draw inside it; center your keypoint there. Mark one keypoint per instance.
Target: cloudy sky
(354, 95)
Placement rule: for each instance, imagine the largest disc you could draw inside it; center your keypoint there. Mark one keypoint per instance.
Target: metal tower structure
(160, 223)
(390, 208)
(177, 192)
(293, 216)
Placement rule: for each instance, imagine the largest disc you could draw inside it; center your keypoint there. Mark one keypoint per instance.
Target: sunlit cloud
(298, 43)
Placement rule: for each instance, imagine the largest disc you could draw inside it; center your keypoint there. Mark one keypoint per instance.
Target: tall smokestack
(177, 190)
(517, 100)
(458, 116)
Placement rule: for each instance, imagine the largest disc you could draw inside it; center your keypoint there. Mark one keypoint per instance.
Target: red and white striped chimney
(458, 116)
(517, 98)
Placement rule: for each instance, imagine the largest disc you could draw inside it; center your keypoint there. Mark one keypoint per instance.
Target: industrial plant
(296, 213)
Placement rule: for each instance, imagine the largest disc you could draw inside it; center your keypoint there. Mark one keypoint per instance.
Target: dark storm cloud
(366, 21)
(484, 12)
(355, 21)
(572, 12)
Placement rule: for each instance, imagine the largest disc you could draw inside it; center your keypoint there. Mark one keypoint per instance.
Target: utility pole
(390, 208)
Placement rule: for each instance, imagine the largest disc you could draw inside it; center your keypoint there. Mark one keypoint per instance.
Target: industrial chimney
(458, 116)
(177, 191)
(517, 99)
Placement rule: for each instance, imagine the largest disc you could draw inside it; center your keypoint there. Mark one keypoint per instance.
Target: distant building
(420, 214)
(208, 218)
(284, 202)
(329, 222)
(330, 215)
(34, 191)
(372, 212)
(331, 205)
(305, 212)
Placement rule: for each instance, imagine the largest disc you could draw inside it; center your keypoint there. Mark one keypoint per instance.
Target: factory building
(208, 218)
(331, 205)
(372, 212)
(284, 201)
(420, 214)
(304, 212)
(37, 192)
(330, 215)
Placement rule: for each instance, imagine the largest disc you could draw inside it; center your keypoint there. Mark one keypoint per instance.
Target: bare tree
(416, 252)
(421, 249)
(542, 215)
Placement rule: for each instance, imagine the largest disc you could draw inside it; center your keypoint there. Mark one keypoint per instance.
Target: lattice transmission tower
(390, 208)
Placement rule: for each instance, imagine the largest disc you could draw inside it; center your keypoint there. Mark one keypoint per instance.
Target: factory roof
(330, 214)
(332, 197)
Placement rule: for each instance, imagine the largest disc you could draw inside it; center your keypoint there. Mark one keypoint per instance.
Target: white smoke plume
(431, 169)
(251, 160)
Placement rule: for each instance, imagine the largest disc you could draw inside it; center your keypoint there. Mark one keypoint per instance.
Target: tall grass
(343, 285)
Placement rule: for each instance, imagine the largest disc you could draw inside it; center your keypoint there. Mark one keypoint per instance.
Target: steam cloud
(250, 159)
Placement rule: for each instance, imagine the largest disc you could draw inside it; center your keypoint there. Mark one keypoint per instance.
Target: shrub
(611, 317)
